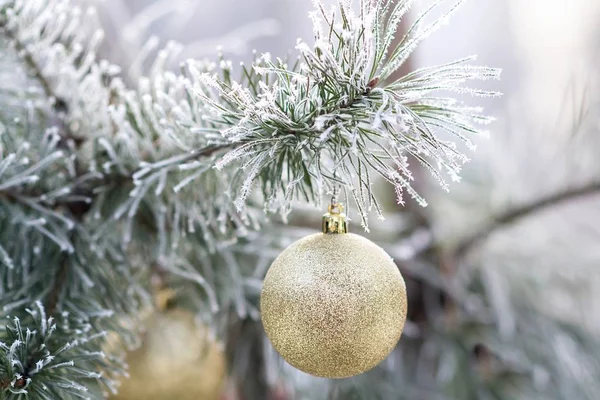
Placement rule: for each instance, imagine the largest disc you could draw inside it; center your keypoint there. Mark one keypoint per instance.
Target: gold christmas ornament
(177, 360)
(333, 304)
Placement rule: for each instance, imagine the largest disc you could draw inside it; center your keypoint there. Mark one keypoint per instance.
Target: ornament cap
(334, 220)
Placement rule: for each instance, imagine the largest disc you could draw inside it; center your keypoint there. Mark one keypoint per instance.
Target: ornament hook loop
(334, 220)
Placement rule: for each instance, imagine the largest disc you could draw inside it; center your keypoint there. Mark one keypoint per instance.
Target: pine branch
(59, 105)
(333, 115)
(511, 216)
(60, 109)
(37, 353)
(33, 66)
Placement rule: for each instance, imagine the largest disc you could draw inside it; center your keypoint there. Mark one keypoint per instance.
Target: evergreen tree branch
(331, 115)
(30, 62)
(58, 104)
(60, 109)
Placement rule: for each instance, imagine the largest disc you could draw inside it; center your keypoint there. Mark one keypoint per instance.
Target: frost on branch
(59, 39)
(336, 117)
(44, 357)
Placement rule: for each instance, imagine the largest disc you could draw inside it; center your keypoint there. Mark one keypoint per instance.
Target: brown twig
(510, 216)
(54, 296)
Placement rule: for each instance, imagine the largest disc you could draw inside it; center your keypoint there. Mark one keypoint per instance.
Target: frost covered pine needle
(339, 110)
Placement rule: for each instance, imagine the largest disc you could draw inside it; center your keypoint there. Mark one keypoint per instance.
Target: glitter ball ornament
(177, 360)
(333, 304)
